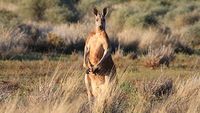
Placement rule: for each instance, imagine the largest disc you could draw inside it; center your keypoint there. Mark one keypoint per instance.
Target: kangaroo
(97, 58)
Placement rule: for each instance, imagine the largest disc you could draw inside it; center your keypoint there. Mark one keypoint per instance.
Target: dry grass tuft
(141, 39)
(184, 99)
(132, 56)
(155, 89)
(7, 88)
(12, 42)
(54, 40)
(160, 56)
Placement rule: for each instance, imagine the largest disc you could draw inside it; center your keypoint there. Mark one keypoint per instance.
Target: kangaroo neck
(99, 29)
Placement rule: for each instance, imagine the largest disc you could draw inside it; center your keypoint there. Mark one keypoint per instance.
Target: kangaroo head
(100, 21)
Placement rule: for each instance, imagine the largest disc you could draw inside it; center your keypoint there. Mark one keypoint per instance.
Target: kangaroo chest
(96, 49)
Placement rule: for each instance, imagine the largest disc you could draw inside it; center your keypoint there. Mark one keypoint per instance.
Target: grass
(55, 84)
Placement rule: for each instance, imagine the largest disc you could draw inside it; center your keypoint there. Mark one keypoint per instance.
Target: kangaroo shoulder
(90, 35)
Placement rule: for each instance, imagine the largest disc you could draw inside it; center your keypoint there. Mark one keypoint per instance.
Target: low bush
(140, 40)
(42, 10)
(186, 19)
(54, 40)
(193, 35)
(8, 18)
(160, 56)
(118, 18)
(12, 43)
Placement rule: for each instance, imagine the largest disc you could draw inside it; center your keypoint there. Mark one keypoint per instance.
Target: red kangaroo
(101, 69)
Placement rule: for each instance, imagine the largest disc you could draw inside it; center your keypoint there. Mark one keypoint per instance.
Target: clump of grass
(160, 56)
(73, 36)
(54, 40)
(184, 99)
(156, 89)
(137, 39)
(7, 88)
(129, 40)
(150, 38)
(12, 43)
(119, 53)
(132, 55)
(30, 31)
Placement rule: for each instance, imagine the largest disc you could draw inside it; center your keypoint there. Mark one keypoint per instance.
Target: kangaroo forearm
(84, 60)
(85, 57)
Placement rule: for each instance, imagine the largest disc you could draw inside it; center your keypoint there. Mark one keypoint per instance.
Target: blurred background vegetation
(132, 25)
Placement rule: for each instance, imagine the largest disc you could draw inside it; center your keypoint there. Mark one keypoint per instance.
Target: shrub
(118, 17)
(37, 36)
(180, 11)
(31, 31)
(54, 40)
(193, 35)
(46, 38)
(86, 5)
(40, 10)
(160, 11)
(156, 89)
(160, 56)
(150, 20)
(72, 36)
(8, 19)
(11, 1)
(135, 20)
(137, 17)
(164, 3)
(33, 9)
(129, 40)
(141, 20)
(56, 12)
(12, 43)
(138, 39)
(119, 1)
(186, 19)
(58, 15)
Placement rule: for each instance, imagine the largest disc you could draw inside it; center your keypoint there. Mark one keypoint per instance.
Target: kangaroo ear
(95, 11)
(105, 11)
